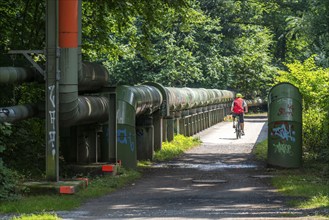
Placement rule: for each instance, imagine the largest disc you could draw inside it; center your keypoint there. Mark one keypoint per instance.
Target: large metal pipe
(131, 102)
(188, 98)
(18, 75)
(17, 113)
(84, 110)
(92, 77)
(74, 109)
(68, 23)
(142, 99)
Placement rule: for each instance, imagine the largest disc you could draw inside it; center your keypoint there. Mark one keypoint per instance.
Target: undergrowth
(308, 184)
(176, 147)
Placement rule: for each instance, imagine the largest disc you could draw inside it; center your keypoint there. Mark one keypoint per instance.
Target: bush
(312, 82)
(315, 143)
(8, 178)
(9, 184)
(176, 147)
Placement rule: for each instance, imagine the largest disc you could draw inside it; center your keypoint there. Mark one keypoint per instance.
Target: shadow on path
(217, 180)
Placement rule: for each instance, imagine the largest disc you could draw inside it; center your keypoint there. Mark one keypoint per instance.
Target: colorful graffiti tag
(285, 135)
(126, 138)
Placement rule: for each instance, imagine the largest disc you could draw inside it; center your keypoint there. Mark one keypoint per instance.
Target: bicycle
(238, 131)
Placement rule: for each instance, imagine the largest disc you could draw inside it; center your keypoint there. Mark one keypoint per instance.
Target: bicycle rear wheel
(240, 131)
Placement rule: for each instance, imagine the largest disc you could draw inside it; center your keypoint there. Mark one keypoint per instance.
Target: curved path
(218, 180)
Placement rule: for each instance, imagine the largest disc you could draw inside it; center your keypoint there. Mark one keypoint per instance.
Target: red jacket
(238, 105)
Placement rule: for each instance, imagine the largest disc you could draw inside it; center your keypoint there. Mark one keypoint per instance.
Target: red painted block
(66, 190)
(108, 168)
(86, 180)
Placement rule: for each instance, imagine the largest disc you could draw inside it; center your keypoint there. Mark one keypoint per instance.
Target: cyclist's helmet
(238, 95)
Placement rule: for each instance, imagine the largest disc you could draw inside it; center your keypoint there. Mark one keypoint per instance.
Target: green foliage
(9, 184)
(310, 184)
(312, 82)
(43, 216)
(314, 189)
(8, 178)
(44, 203)
(316, 201)
(176, 147)
(116, 29)
(20, 27)
(308, 30)
(260, 150)
(181, 53)
(315, 130)
(27, 143)
(252, 63)
(246, 60)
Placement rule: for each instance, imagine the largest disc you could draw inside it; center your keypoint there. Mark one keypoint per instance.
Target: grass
(306, 184)
(98, 186)
(260, 151)
(302, 183)
(176, 147)
(43, 216)
(45, 203)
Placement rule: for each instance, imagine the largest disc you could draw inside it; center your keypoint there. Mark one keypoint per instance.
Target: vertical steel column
(181, 126)
(164, 130)
(157, 124)
(145, 138)
(112, 126)
(170, 128)
(52, 78)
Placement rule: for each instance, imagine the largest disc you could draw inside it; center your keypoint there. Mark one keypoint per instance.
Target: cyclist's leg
(242, 122)
(233, 117)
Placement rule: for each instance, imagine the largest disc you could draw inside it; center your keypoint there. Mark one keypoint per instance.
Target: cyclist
(239, 107)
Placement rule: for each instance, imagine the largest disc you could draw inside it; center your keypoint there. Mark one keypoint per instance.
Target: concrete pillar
(145, 138)
(158, 131)
(170, 128)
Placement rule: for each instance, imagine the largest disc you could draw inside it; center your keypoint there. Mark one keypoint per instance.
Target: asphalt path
(217, 180)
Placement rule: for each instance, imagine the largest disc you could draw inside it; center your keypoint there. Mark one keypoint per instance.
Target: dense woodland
(240, 45)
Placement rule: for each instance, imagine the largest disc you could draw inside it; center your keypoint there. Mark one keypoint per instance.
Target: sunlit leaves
(312, 81)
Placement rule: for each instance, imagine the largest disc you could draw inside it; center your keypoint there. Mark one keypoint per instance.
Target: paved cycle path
(217, 180)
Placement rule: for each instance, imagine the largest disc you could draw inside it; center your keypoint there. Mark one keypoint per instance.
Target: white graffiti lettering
(284, 133)
(53, 151)
(52, 115)
(282, 148)
(52, 137)
(52, 96)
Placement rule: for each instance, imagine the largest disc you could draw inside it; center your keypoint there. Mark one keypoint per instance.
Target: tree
(179, 53)
(309, 31)
(312, 82)
(245, 45)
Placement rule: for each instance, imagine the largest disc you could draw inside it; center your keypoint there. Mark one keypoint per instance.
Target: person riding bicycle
(239, 107)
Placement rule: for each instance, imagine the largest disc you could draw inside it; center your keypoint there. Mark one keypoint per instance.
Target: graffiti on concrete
(282, 148)
(52, 114)
(126, 138)
(284, 132)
